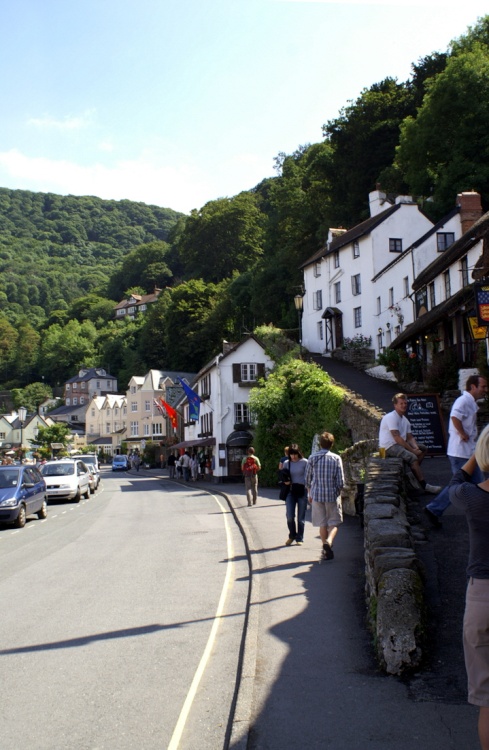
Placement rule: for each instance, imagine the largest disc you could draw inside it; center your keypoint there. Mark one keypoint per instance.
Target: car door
(83, 478)
(39, 490)
(29, 489)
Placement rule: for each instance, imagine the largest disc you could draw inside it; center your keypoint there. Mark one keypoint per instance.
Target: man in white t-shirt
(462, 438)
(396, 438)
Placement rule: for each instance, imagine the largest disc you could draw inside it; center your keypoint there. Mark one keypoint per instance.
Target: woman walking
(296, 502)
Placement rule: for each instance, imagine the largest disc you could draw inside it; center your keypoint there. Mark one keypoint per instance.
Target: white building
(223, 430)
(106, 422)
(341, 298)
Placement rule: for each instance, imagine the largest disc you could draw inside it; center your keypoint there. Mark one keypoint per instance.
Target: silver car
(67, 478)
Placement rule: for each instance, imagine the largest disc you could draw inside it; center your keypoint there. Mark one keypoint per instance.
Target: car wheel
(92, 490)
(43, 510)
(20, 522)
(77, 497)
(86, 494)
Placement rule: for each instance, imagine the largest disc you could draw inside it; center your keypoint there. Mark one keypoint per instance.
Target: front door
(235, 456)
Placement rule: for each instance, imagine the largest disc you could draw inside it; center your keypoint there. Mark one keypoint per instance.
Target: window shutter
(236, 373)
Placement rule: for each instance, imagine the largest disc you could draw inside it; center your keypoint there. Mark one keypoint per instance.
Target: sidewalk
(309, 676)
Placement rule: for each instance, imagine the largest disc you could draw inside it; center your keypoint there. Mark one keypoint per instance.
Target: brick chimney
(470, 209)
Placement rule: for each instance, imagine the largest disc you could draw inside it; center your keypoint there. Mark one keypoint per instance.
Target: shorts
(476, 640)
(326, 514)
(397, 451)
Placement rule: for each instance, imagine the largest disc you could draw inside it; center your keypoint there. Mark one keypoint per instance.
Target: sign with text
(427, 425)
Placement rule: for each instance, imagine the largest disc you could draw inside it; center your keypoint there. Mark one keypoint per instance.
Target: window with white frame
(241, 414)
(391, 296)
(134, 429)
(405, 282)
(317, 268)
(317, 300)
(75, 401)
(337, 292)
(68, 402)
(146, 427)
(388, 337)
(107, 427)
(206, 423)
(248, 371)
(82, 399)
(464, 271)
(444, 240)
(336, 258)
(357, 317)
(133, 389)
(356, 249)
(379, 342)
(67, 386)
(431, 292)
(320, 330)
(147, 405)
(75, 386)
(83, 386)
(134, 405)
(356, 285)
(157, 428)
(395, 245)
(2, 435)
(446, 283)
(98, 384)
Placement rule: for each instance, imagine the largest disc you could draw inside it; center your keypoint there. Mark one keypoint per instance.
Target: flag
(193, 401)
(171, 413)
(158, 406)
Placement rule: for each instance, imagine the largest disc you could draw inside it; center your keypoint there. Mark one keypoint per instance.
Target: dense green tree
(446, 148)
(56, 433)
(65, 349)
(145, 266)
(31, 396)
(28, 348)
(364, 138)
(226, 235)
(92, 307)
(8, 349)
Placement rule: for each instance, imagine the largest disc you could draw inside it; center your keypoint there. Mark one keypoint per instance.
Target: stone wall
(359, 358)
(394, 586)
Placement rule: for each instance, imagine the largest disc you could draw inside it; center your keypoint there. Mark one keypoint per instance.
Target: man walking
(324, 480)
(462, 438)
(250, 466)
(396, 438)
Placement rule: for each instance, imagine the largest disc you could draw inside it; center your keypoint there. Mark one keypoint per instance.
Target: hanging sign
(482, 303)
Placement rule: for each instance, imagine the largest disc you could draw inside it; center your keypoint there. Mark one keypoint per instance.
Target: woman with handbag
(296, 501)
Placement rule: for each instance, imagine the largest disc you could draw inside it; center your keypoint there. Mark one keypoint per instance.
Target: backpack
(250, 467)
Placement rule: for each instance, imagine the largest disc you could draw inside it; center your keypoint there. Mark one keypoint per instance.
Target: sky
(179, 102)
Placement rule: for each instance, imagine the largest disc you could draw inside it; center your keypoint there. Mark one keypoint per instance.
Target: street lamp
(299, 304)
(22, 418)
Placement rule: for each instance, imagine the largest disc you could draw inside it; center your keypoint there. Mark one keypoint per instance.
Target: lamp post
(22, 418)
(299, 302)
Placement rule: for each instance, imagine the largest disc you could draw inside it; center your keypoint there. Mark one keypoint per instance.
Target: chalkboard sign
(427, 425)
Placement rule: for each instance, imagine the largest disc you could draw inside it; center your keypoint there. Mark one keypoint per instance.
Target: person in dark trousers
(172, 459)
(296, 501)
(473, 500)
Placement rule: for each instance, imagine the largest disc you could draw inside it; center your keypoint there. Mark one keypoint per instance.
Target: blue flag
(193, 401)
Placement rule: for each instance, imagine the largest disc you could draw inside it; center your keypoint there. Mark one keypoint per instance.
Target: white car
(91, 461)
(67, 478)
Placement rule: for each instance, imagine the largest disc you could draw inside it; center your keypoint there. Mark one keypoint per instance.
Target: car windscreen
(89, 461)
(57, 470)
(8, 478)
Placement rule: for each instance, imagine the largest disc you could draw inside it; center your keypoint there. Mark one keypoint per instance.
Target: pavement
(309, 676)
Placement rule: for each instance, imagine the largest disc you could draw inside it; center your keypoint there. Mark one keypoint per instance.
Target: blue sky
(178, 102)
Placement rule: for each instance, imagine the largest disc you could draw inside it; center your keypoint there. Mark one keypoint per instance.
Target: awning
(239, 438)
(442, 311)
(200, 442)
(332, 312)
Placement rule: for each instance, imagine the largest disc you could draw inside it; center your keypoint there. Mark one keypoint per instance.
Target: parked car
(22, 492)
(120, 462)
(68, 478)
(91, 461)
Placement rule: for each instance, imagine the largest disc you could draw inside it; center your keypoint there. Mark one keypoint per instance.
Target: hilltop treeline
(233, 264)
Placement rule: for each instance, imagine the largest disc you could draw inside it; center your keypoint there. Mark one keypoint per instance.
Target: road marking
(180, 726)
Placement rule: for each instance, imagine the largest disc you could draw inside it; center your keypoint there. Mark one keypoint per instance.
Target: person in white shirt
(396, 438)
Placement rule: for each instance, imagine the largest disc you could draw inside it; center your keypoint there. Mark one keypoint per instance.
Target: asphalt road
(110, 638)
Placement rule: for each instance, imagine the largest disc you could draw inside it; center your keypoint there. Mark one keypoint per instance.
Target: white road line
(180, 725)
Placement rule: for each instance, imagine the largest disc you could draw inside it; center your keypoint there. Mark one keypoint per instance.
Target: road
(122, 620)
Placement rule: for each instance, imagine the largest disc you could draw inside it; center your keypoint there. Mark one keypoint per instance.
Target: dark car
(22, 492)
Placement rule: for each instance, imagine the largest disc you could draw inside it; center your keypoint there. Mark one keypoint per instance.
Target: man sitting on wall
(396, 438)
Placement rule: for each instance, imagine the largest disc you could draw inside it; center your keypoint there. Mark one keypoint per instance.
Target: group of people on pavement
(317, 481)
(468, 491)
(187, 466)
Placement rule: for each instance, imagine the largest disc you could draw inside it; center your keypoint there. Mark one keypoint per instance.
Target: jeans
(291, 504)
(441, 502)
(186, 473)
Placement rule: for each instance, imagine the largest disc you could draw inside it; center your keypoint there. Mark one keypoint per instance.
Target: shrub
(296, 401)
(357, 342)
(406, 367)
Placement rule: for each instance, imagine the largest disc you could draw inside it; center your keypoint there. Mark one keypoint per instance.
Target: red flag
(171, 413)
